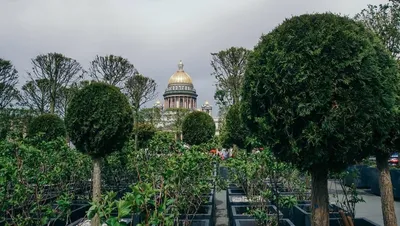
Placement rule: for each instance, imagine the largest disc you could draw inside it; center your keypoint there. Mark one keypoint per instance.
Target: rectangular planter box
(357, 222)
(302, 214)
(240, 212)
(362, 177)
(253, 222)
(194, 223)
(395, 175)
(205, 212)
(373, 181)
(288, 212)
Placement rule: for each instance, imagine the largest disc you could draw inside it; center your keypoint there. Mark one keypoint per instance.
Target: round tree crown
(197, 128)
(99, 119)
(316, 88)
(49, 126)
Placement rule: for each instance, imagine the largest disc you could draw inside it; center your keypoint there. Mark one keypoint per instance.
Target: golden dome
(180, 76)
(206, 103)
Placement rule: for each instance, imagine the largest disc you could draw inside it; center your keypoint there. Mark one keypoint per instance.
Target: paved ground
(221, 211)
(371, 208)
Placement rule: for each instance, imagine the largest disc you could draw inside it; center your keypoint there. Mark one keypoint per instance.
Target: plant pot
(223, 172)
(288, 211)
(361, 179)
(240, 212)
(205, 212)
(253, 222)
(374, 181)
(302, 214)
(357, 222)
(395, 175)
(194, 222)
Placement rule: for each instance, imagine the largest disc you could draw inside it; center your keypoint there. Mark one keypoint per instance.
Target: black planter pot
(240, 200)
(302, 214)
(374, 181)
(362, 176)
(395, 175)
(253, 222)
(78, 212)
(205, 212)
(288, 212)
(195, 222)
(240, 212)
(357, 222)
(223, 172)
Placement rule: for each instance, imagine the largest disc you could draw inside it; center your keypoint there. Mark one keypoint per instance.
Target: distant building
(180, 93)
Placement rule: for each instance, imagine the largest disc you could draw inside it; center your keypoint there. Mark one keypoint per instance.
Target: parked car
(394, 159)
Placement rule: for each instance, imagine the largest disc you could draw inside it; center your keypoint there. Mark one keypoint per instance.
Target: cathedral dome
(180, 77)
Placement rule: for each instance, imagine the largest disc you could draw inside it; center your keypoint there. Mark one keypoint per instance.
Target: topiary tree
(99, 122)
(315, 89)
(145, 132)
(198, 127)
(234, 132)
(49, 126)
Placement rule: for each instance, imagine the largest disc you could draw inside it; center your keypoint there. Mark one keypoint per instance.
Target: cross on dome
(180, 65)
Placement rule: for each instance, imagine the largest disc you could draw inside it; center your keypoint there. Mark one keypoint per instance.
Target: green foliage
(176, 116)
(383, 19)
(145, 132)
(48, 126)
(234, 131)
(229, 66)
(198, 127)
(111, 69)
(30, 174)
(13, 122)
(316, 88)
(58, 70)
(8, 82)
(150, 115)
(99, 119)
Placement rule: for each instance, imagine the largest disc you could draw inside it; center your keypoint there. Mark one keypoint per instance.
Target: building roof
(180, 76)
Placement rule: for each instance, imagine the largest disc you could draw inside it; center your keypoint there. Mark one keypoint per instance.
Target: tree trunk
(319, 198)
(52, 102)
(96, 188)
(385, 185)
(135, 124)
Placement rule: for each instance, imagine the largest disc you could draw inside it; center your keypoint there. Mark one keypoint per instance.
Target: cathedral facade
(181, 94)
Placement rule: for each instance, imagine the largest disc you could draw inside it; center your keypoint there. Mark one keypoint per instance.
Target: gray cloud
(153, 34)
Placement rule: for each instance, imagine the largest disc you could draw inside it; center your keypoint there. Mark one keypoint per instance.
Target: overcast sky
(153, 34)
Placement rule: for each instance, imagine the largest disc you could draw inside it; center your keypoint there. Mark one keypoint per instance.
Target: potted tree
(302, 82)
(99, 122)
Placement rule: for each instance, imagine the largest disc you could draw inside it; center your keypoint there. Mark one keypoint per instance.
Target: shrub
(234, 132)
(197, 128)
(48, 126)
(145, 132)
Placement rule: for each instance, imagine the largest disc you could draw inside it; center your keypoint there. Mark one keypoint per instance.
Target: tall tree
(384, 20)
(35, 95)
(8, 81)
(140, 90)
(175, 118)
(65, 96)
(150, 115)
(59, 70)
(229, 66)
(111, 69)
